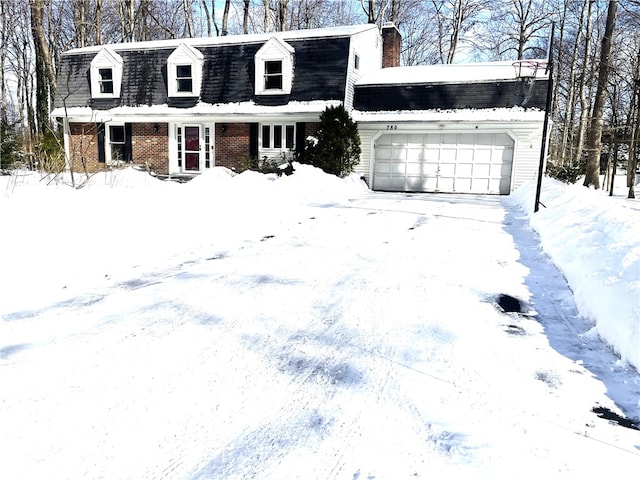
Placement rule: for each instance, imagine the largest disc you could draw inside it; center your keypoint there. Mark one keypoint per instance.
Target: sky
(255, 326)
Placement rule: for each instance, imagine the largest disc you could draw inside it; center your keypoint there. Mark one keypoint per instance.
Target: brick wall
(83, 147)
(148, 146)
(232, 145)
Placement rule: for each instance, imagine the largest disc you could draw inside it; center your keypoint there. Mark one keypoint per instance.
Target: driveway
(353, 341)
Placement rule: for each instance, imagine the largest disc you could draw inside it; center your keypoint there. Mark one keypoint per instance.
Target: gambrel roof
(321, 65)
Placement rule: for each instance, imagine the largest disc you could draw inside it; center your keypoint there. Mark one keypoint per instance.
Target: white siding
(368, 46)
(527, 137)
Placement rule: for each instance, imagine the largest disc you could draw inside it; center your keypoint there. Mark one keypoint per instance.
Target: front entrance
(192, 148)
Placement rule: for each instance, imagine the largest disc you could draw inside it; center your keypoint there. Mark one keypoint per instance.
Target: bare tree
(594, 140)
(45, 74)
(225, 17)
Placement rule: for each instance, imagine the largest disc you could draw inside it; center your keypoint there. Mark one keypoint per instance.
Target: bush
(8, 146)
(565, 173)
(50, 152)
(336, 150)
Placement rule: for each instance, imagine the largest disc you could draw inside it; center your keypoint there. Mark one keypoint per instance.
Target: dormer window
(105, 79)
(274, 68)
(183, 78)
(184, 72)
(273, 75)
(106, 74)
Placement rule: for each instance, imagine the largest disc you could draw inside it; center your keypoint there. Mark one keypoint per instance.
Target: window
(266, 136)
(179, 140)
(207, 147)
(106, 74)
(356, 61)
(273, 75)
(184, 72)
(278, 137)
(117, 142)
(274, 68)
(290, 135)
(184, 80)
(106, 80)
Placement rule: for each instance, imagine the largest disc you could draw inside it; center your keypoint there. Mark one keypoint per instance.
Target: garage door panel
(416, 154)
(397, 168)
(399, 153)
(397, 183)
(414, 168)
(465, 155)
(482, 170)
(477, 162)
(447, 170)
(448, 155)
(464, 170)
(446, 184)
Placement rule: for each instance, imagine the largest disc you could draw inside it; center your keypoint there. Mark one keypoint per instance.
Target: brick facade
(149, 146)
(232, 145)
(83, 147)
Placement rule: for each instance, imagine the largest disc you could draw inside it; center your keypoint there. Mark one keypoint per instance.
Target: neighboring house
(183, 106)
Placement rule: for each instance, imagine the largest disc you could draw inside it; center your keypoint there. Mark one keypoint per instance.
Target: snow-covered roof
(239, 108)
(451, 73)
(234, 39)
(515, 114)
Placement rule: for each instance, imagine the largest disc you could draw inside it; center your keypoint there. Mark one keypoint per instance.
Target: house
(183, 106)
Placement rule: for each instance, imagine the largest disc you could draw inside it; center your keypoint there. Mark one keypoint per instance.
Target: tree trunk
(3, 55)
(455, 33)
(188, 17)
(225, 17)
(98, 22)
(207, 14)
(45, 75)
(594, 140)
(370, 10)
(584, 100)
(282, 15)
(245, 17)
(633, 124)
(267, 16)
(565, 145)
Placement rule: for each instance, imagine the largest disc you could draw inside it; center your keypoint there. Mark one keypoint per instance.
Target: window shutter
(100, 135)
(253, 140)
(127, 142)
(301, 137)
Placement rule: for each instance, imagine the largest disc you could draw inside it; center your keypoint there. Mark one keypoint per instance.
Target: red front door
(192, 148)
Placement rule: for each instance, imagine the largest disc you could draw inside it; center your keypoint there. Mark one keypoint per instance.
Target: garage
(443, 162)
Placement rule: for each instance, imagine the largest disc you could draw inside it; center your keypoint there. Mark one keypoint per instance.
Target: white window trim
(184, 55)
(108, 157)
(107, 59)
(274, 50)
(272, 151)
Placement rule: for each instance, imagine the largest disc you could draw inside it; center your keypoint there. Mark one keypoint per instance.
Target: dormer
(274, 68)
(184, 72)
(106, 74)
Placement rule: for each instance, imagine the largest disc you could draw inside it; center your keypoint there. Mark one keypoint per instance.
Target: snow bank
(594, 240)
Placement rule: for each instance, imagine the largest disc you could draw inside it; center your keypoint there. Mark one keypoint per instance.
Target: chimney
(391, 40)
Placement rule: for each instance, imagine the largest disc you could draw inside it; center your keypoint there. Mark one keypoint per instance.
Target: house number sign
(392, 127)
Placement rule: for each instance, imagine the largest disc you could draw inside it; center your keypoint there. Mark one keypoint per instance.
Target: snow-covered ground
(305, 327)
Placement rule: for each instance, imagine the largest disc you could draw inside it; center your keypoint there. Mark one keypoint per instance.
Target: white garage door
(444, 162)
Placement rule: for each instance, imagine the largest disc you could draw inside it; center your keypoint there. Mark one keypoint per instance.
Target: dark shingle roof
(320, 73)
(447, 96)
